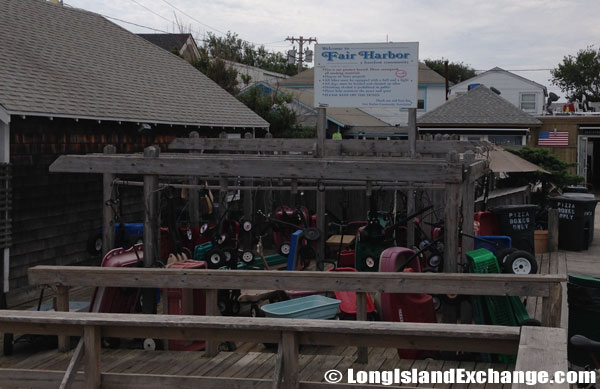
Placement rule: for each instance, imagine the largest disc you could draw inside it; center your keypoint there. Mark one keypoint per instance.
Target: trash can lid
(512, 207)
(575, 189)
(579, 195)
(575, 198)
(584, 280)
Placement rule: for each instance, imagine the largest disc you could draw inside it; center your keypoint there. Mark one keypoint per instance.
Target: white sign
(366, 75)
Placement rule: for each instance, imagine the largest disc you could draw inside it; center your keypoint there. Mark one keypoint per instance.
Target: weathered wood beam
(467, 337)
(478, 169)
(542, 349)
(62, 305)
(71, 371)
(108, 198)
(433, 283)
(380, 169)
(151, 202)
(332, 147)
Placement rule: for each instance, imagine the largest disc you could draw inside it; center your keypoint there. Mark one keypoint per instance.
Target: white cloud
(512, 34)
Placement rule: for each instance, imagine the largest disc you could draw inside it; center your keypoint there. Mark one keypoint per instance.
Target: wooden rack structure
(425, 163)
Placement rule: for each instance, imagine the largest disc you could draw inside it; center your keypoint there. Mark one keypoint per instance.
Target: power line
(152, 12)
(122, 21)
(193, 18)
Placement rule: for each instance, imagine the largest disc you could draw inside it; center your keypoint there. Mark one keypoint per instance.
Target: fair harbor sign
(363, 75)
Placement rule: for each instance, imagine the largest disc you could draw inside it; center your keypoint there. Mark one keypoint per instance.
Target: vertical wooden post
(293, 192)
(468, 206)
(412, 132)
(291, 369)
(410, 209)
(451, 222)
(553, 230)
(361, 314)
(194, 193)
(321, 197)
(451, 237)
(552, 306)
(224, 184)
(410, 200)
(268, 195)
(151, 229)
(212, 309)
(62, 305)
(108, 196)
(321, 131)
(248, 203)
(91, 356)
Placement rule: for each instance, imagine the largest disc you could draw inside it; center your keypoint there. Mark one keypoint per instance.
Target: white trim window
(528, 102)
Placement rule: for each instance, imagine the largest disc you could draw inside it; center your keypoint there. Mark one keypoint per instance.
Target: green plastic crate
(499, 307)
(519, 309)
(482, 261)
(272, 260)
(201, 250)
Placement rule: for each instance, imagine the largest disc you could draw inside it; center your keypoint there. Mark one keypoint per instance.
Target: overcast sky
(511, 34)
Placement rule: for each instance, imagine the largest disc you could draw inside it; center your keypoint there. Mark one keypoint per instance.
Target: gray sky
(511, 34)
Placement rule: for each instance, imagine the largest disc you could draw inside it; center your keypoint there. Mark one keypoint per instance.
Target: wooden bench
(288, 333)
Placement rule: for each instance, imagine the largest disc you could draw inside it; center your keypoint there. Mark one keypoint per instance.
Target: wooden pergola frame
(409, 162)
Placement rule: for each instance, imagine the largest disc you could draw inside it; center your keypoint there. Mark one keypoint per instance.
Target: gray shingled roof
(167, 41)
(480, 106)
(64, 62)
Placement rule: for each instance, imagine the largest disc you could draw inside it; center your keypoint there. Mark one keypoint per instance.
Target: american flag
(552, 138)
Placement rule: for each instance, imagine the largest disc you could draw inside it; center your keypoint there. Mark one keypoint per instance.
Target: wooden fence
(548, 287)
(527, 342)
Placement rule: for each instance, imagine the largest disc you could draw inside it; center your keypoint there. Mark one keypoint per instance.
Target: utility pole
(301, 41)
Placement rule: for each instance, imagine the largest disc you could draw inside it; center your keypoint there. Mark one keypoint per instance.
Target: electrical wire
(152, 12)
(193, 18)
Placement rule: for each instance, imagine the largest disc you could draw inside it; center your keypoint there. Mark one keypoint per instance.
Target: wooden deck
(587, 262)
(248, 361)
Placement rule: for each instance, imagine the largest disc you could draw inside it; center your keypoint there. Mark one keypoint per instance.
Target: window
(506, 140)
(528, 102)
(421, 98)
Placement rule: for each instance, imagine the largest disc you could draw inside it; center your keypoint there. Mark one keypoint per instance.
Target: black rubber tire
(215, 258)
(453, 299)
(531, 323)
(232, 254)
(503, 254)
(285, 246)
(92, 247)
(247, 257)
(520, 255)
(8, 344)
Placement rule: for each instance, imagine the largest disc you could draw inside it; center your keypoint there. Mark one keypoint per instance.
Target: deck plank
(467, 365)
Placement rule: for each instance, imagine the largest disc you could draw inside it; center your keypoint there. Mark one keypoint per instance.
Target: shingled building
(72, 82)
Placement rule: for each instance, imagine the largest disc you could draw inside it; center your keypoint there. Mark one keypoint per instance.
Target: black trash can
(584, 313)
(576, 213)
(518, 222)
(575, 189)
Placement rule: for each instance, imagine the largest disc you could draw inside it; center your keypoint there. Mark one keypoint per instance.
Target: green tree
(274, 109)
(217, 70)
(579, 75)
(457, 71)
(232, 48)
(559, 172)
